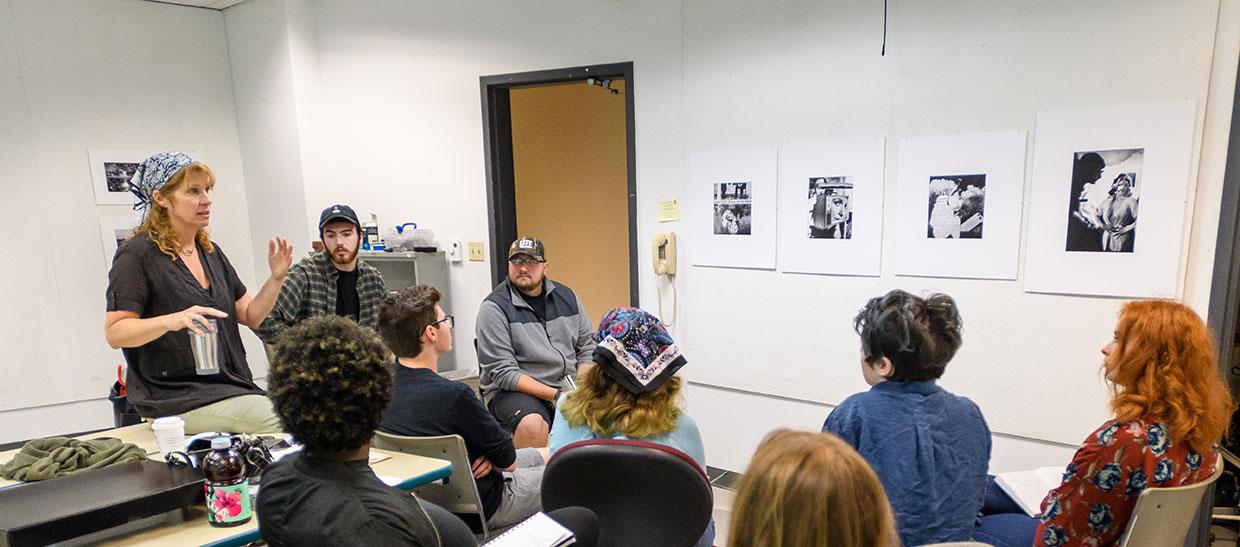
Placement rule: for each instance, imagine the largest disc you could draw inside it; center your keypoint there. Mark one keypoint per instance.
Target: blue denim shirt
(930, 449)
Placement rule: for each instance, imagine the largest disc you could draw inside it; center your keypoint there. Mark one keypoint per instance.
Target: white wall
(269, 128)
(733, 424)
(401, 113)
(376, 103)
(114, 74)
(765, 74)
(401, 135)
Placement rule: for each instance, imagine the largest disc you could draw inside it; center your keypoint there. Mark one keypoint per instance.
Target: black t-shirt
(426, 404)
(161, 380)
(306, 500)
(346, 294)
(537, 303)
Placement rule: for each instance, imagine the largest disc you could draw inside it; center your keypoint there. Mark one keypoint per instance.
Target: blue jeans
(1002, 522)
(708, 537)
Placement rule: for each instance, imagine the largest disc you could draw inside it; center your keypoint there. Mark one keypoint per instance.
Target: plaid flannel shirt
(310, 291)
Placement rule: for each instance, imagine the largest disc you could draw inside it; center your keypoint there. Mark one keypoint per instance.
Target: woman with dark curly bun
(1171, 408)
(330, 382)
(929, 448)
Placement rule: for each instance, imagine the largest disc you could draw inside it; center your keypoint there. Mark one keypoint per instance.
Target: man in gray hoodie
(531, 335)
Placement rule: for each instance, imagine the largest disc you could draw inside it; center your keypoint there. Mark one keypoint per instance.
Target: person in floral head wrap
(168, 283)
(632, 393)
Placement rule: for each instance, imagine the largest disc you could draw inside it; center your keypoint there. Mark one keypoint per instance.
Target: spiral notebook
(537, 531)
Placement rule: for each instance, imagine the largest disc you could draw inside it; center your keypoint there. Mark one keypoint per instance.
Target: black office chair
(643, 493)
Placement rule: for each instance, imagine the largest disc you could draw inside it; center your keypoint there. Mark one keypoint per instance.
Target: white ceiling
(209, 4)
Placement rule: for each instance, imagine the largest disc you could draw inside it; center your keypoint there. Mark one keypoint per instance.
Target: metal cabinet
(408, 268)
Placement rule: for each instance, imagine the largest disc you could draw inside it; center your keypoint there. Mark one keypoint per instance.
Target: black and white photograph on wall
(733, 208)
(821, 184)
(830, 208)
(1102, 205)
(118, 175)
(956, 206)
(110, 171)
(114, 230)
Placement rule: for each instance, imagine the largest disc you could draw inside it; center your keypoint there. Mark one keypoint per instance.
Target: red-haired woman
(1171, 409)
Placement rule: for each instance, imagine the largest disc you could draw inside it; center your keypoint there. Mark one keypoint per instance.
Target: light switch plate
(475, 251)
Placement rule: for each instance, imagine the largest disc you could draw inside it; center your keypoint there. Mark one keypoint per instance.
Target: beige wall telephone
(664, 253)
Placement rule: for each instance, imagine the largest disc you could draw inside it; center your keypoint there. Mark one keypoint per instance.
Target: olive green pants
(241, 414)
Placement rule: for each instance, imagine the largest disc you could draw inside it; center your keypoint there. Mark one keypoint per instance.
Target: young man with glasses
(424, 404)
(532, 334)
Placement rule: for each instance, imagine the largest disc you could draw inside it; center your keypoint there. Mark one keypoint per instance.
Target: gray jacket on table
(512, 340)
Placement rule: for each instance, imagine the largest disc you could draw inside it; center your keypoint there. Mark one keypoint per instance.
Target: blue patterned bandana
(153, 174)
(635, 350)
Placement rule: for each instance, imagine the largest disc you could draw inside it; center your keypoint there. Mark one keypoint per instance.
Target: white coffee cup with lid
(169, 433)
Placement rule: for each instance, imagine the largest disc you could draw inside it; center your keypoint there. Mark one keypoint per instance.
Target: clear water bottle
(227, 488)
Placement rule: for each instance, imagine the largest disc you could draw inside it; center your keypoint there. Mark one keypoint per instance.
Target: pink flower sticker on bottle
(228, 504)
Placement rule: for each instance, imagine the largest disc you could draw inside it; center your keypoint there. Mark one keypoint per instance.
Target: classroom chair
(459, 492)
(643, 493)
(1164, 516)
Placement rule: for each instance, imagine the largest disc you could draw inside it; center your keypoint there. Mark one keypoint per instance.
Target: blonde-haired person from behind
(810, 489)
(631, 392)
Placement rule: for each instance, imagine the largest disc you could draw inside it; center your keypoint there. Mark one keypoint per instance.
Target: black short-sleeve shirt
(161, 380)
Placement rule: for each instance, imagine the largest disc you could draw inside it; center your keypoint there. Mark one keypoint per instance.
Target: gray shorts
(521, 497)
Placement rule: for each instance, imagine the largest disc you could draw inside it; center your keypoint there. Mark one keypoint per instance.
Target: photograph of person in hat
(332, 282)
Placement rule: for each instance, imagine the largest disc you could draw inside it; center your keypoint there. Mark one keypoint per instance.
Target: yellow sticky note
(669, 210)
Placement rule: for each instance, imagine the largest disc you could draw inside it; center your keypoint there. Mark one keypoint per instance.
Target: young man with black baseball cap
(332, 282)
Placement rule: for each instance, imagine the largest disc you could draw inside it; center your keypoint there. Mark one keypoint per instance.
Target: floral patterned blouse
(1101, 485)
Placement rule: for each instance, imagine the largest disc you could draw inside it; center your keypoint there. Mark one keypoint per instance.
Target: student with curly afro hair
(330, 382)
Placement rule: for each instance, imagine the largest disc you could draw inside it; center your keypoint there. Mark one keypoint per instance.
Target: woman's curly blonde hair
(157, 225)
(607, 408)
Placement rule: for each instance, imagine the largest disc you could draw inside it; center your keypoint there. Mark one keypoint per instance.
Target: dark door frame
(497, 142)
(1225, 283)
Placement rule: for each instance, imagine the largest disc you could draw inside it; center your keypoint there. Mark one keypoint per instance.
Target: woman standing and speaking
(169, 279)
